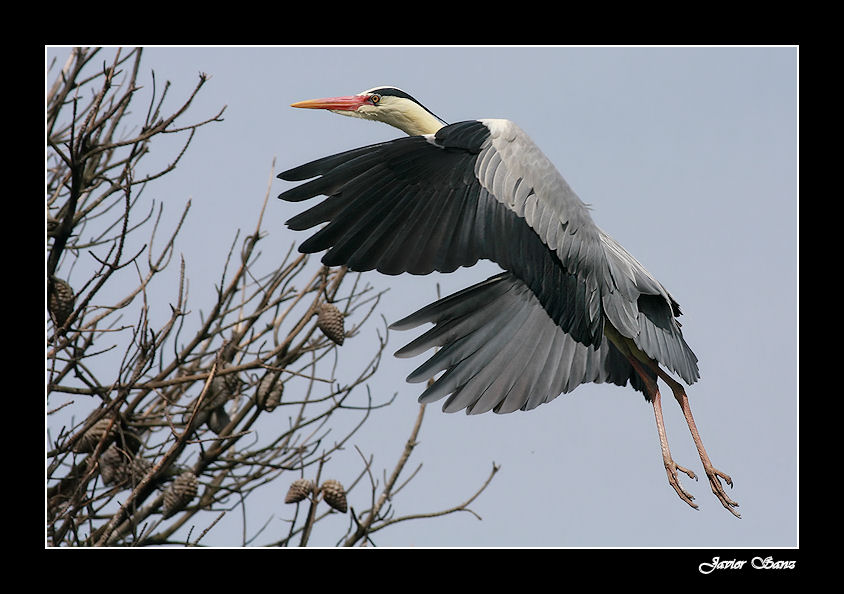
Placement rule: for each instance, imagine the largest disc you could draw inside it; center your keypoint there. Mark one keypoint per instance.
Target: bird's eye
(375, 98)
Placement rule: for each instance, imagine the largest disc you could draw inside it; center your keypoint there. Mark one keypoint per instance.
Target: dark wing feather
(417, 204)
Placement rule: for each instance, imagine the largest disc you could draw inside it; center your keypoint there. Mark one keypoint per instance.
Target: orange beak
(349, 103)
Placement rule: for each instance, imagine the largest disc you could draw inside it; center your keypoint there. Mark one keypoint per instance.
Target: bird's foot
(715, 477)
(671, 469)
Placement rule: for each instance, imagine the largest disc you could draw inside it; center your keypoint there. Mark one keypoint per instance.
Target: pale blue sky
(688, 157)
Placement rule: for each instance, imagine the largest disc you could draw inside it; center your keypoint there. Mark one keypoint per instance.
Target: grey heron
(572, 305)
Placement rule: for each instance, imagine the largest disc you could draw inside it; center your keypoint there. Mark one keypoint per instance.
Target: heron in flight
(572, 305)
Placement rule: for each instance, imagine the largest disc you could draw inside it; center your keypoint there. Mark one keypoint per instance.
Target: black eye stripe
(381, 92)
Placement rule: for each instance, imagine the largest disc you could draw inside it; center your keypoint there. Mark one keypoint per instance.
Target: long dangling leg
(712, 473)
(671, 467)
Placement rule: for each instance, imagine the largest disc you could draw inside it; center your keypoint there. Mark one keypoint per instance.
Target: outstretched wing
(500, 351)
(483, 190)
(474, 190)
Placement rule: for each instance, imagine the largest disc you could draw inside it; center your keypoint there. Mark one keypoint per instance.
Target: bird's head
(383, 104)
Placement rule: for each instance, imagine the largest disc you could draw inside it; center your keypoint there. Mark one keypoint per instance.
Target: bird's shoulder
(474, 134)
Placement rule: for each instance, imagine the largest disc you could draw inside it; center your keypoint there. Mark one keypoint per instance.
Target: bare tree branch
(162, 418)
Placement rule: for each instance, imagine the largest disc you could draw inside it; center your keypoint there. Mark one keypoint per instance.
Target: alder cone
(299, 490)
(334, 495)
(60, 301)
(88, 442)
(121, 469)
(269, 392)
(180, 492)
(330, 321)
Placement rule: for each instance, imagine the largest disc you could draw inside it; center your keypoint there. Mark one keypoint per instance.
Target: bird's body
(572, 307)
